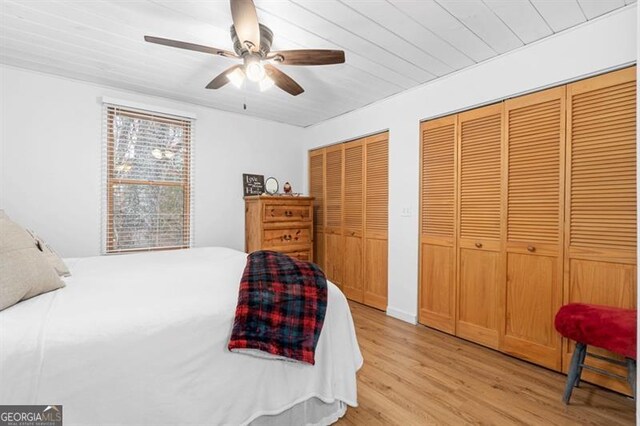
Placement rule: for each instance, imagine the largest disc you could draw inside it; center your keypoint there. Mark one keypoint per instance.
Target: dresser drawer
(304, 255)
(286, 212)
(284, 237)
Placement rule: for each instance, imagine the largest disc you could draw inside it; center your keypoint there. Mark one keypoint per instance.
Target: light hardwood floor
(413, 375)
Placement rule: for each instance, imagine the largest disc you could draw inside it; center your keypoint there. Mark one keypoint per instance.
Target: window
(148, 181)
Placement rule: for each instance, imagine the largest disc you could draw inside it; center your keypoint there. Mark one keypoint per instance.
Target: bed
(141, 339)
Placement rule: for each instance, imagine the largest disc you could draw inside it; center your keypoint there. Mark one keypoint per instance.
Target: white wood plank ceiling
(390, 45)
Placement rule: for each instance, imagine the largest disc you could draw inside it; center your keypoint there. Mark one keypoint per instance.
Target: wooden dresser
(280, 223)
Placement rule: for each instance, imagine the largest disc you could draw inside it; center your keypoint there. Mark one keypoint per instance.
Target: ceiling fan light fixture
(266, 83)
(254, 69)
(236, 77)
(252, 43)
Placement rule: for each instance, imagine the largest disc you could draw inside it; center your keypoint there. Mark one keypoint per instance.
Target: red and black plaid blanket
(281, 307)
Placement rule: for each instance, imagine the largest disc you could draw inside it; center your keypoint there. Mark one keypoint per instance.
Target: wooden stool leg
(631, 375)
(574, 371)
(583, 355)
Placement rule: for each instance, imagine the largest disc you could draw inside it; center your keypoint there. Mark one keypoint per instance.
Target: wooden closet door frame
(370, 298)
(439, 241)
(487, 338)
(534, 352)
(611, 255)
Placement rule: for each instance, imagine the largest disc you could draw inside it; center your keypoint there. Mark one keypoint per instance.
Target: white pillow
(24, 271)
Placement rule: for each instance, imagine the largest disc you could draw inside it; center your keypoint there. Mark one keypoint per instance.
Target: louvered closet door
(534, 132)
(437, 239)
(316, 190)
(601, 199)
(353, 276)
(376, 220)
(479, 162)
(334, 247)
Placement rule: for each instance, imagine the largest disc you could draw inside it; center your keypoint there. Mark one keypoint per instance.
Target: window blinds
(147, 180)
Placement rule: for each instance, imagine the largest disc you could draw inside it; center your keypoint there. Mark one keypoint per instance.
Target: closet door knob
(479, 245)
(531, 249)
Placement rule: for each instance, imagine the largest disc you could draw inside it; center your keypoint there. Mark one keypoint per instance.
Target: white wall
(50, 164)
(590, 48)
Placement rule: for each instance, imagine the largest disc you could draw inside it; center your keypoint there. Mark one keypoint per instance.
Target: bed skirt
(312, 412)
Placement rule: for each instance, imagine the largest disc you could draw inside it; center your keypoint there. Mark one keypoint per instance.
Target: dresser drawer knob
(479, 245)
(531, 249)
(288, 213)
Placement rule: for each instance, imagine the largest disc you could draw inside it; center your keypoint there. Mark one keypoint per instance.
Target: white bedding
(141, 339)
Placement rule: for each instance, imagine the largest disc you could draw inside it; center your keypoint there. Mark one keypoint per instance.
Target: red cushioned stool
(606, 327)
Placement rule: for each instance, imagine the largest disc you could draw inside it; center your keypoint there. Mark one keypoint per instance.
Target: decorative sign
(253, 184)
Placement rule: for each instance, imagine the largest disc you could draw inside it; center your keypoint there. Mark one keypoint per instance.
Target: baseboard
(402, 315)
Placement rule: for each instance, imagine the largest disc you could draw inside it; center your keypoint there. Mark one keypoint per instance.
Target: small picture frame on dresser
(252, 184)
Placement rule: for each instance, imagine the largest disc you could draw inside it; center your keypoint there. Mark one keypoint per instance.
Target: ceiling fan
(252, 44)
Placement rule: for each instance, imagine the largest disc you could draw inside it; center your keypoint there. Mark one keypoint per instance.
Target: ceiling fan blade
(245, 21)
(308, 57)
(222, 79)
(283, 81)
(190, 46)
